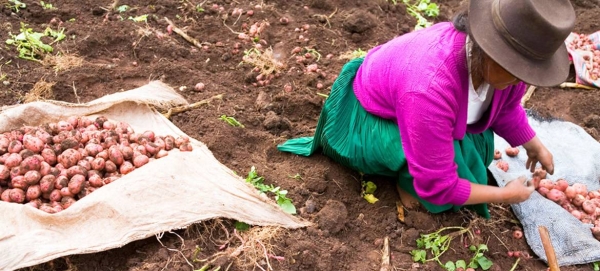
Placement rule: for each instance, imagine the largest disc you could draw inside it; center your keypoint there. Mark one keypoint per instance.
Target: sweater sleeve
(426, 122)
(511, 122)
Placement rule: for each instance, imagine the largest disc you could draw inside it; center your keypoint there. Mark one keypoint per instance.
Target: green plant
(241, 226)
(46, 5)
(231, 121)
(596, 266)
(29, 44)
(16, 5)
(280, 195)
(141, 18)
(313, 52)
(199, 8)
(437, 244)
(122, 8)
(420, 10)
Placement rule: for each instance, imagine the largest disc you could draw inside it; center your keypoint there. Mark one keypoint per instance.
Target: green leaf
(483, 247)
(461, 264)
(122, 8)
(419, 255)
(370, 187)
(287, 206)
(484, 263)
(472, 248)
(473, 265)
(241, 226)
(596, 266)
(450, 266)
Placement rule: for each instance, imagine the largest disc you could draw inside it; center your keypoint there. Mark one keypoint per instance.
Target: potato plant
(50, 167)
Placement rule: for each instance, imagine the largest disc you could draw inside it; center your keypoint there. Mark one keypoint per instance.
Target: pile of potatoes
(576, 199)
(583, 42)
(51, 166)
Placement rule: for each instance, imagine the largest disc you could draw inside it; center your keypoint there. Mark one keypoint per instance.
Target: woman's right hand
(517, 191)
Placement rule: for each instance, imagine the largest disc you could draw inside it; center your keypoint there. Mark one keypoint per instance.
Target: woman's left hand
(537, 152)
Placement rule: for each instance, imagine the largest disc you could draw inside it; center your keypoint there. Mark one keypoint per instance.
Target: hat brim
(543, 73)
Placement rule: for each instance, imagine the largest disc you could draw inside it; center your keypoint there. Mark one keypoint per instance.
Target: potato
(45, 168)
(32, 177)
(64, 126)
(185, 147)
(169, 142)
(66, 202)
(589, 207)
(543, 191)
(36, 203)
(76, 170)
(556, 196)
(15, 146)
(65, 192)
(47, 183)
(561, 184)
(126, 167)
(512, 152)
(17, 195)
(13, 160)
(596, 232)
(180, 140)
(580, 188)
(103, 154)
(95, 181)
(76, 183)
(571, 192)
(49, 156)
(97, 164)
(549, 184)
(497, 154)
(140, 160)
(161, 154)
(61, 182)
(109, 179)
(4, 172)
(69, 158)
(502, 165)
(110, 167)
(45, 207)
(33, 192)
(140, 149)
(17, 171)
(115, 155)
(127, 152)
(55, 195)
(33, 143)
(93, 149)
(160, 143)
(5, 196)
(149, 134)
(26, 153)
(19, 182)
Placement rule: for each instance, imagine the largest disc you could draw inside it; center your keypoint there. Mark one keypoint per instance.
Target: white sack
(576, 159)
(168, 193)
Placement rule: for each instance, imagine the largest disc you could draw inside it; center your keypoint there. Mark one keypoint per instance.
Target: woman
(424, 106)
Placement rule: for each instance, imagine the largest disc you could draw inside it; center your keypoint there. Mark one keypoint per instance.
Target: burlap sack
(168, 193)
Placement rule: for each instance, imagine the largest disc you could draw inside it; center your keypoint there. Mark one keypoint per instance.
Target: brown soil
(348, 233)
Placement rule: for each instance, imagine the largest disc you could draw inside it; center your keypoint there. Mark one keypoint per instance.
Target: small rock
(310, 206)
(333, 216)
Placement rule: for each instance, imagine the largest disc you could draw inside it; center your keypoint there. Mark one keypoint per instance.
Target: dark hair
(461, 23)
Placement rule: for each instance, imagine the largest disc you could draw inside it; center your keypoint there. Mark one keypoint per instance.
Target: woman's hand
(517, 190)
(537, 152)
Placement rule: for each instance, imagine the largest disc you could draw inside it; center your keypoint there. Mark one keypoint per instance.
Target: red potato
(169, 142)
(19, 182)
(13, 160)
(17, 171)
(32, 177)
(570, 192)
(578, 200)
(93, 149)
(45, 207)
(4, 172)
(110, 179)
(33, 192)
(517, 234)
(151, 149)
(580, 188)
(76, 183)
(36, 203)
(160, 143)
(594, 194)
(502, 165)
(95, 181)
(543, 191)
(55, 195)
(512, 152)
(185, 147)
(47, 183)
(66, 202)
(33, 143)
(140, 149)
(85, 164)
(161, 154)
(103, 154)
(76, 170)
(140, 160)
(561, 184)
(547, 183)
(110, 167)
(181, 140)
(150, 135)
(5, 196)
(540, 173)
(497, 154)
(596, 232)
(45, 168)
(26, 153)
(127, 152)
(64, 192)
(61, 182)
(15, 146)
(115, 155)
(589, 207)
(126, 167)
(69, 157)
(64, 126)
(556, 196)
(17, 195)
(98, 164)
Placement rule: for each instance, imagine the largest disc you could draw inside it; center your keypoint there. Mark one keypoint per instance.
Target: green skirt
(353, 137)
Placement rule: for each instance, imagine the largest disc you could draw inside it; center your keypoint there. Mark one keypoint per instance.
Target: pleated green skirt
(351, 136)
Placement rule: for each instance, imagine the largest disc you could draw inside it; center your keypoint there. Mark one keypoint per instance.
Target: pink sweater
(420, 80)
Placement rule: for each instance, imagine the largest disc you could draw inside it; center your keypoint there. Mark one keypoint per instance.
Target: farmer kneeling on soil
(424, 106)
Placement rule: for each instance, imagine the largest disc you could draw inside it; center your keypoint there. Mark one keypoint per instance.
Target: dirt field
(118, 53)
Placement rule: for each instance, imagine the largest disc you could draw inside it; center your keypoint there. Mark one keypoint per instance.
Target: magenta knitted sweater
(420, 80)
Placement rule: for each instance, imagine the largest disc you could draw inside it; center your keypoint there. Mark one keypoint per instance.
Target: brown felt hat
(525, 37)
